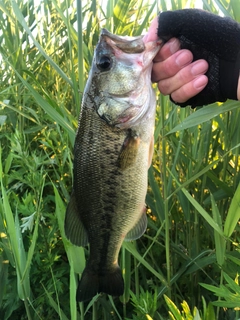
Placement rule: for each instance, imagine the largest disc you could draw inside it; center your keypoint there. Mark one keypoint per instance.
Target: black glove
(212, 38)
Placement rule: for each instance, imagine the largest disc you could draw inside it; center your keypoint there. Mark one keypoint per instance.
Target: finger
(190, 89)
(171, 66)
(184, 76)
(152, 32)
(169, 48)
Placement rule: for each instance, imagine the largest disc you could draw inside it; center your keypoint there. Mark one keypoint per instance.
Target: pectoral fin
(150, 154)
(74, 228)
(129, 152)
(138, 230)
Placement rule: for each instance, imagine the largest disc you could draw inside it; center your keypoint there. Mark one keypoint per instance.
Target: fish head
(120, 79)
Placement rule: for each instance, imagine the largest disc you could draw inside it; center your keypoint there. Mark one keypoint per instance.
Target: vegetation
(186, 265)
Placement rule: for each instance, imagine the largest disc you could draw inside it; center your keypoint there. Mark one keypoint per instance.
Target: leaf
(15, 238)
(2, 120)
(56, 116)
(204, 114)
(55, 306)
(196, 314)
(173, 308)
(220, 242)
(28, 222)
(210, 314)
(186, 310)
(233, 214)
(230, 292)
(73, 290)
(158, 201)
(130, 247)
(23, 281)
(21, 19)
(235, 9)
(203, 213)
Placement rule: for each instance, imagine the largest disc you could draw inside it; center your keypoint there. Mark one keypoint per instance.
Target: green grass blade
(15, 238)
(55, 306)
(233, 215)
(205, 114)
(22, 21)
(130, 247)
(114, 307)
(158, 200)
(203, 213)
(126, 271)
(220, 241)
(81, 69)
(56, 116)
(31, 249)
(23, 282)
(73, 290)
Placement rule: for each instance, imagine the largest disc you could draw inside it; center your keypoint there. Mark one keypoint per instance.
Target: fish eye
(104, 63)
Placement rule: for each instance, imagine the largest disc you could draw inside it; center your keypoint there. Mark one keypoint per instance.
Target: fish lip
(125, 43)
(151, 50)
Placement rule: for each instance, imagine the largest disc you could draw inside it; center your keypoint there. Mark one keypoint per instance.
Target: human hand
(208, 37)
(174, 70)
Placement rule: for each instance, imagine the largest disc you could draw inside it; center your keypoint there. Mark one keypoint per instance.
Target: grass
(186, 264)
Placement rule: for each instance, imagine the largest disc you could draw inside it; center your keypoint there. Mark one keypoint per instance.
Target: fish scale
(112, 153)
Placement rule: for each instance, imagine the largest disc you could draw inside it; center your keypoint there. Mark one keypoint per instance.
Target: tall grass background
(187, 263)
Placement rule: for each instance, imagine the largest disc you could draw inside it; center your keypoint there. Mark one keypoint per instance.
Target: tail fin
(91, 283)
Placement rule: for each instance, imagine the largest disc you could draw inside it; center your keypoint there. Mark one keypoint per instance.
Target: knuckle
(182, 94)
(164, 87)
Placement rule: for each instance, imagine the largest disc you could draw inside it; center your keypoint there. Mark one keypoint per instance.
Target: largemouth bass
(112, 154)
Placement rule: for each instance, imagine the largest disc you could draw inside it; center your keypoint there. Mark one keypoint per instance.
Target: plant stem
(124, 274)
(219, 298)
(165, 197)
(80, 48)
(137, 285)
(94, 308)
(81, 306)
(27, 309)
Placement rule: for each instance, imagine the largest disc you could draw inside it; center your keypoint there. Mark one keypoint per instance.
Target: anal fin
(138, 230)
(73, 226)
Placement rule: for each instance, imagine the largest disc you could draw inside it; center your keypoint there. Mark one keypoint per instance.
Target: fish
(112, 153)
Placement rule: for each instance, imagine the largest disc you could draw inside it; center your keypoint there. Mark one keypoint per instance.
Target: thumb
(152, 32)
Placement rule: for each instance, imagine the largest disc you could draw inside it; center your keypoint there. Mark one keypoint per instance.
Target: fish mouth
(151, 50)
(129, 44)
(126, 44)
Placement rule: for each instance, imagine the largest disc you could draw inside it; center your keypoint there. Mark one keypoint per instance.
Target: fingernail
(198, 68)
(174, 45)
(183, 58)
(200, 82)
